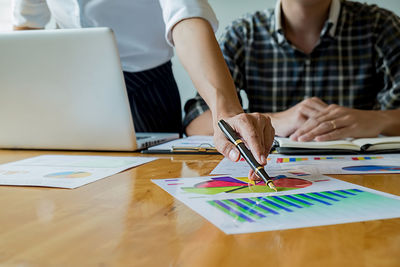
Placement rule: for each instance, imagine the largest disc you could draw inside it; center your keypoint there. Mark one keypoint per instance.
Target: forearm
(201, 56)
(202, 125)
(390, 120)
(281, 123)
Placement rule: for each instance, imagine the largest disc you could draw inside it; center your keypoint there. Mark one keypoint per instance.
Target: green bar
(280, 202)
(233, 215)
(306, 199)
(233, 205)
(295, 201)
(266, 204)
(340, 193)
(316, 196)
(260, 210)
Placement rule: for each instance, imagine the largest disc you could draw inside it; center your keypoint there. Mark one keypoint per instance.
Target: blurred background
(226, 11)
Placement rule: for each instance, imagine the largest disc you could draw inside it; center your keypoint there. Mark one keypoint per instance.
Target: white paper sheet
(303, 201)
(65, 171)
(319, 164)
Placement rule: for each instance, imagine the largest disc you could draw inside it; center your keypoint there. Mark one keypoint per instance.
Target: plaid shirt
(355, 64)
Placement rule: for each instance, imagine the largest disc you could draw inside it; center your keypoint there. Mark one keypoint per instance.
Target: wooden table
(126, 220)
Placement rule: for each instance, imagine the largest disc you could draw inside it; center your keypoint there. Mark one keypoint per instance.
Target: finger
(323, 128)
(318, 103)
(248, 126)
(304, 129)
(225, 147)
(268, 139)
(326, 128)
(325, 119)
(333, 135)
(308, 111)
(331, 112)
(253, 176)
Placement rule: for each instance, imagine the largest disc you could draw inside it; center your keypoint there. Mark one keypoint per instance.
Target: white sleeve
(30, 13)
(176, 10)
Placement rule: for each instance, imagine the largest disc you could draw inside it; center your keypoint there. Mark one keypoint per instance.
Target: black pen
(246, 154)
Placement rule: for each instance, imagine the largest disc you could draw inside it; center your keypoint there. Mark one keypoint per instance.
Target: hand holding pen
(246, 154)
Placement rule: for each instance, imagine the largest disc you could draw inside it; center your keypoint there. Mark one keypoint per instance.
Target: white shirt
(142, 27)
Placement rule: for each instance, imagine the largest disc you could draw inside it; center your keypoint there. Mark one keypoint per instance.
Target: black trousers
(154, 100)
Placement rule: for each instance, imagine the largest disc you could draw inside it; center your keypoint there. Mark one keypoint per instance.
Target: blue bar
(287, 202)
(260, 206)
(300, 200)
(247, 208)
(292, 159)
(275, 204)
(321, 195)
(347, 192)
(367, 157)
(241, 215)
(335, 194)
(357, 190)
(316, 199)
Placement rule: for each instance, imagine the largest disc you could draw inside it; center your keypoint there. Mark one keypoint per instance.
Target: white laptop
(64, 89)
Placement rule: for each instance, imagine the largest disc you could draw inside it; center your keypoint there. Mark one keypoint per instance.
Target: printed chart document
(65, 171)
(235, 206)
(322, 164)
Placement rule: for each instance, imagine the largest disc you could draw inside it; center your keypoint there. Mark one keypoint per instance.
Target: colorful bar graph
(335, 203)
(327, 158)
(286, 160)
(366, 158)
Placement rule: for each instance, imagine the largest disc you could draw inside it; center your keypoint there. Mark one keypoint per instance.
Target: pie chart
(240, 185)
(373, 168)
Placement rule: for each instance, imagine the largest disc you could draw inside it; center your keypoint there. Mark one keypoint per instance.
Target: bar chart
(327, 207)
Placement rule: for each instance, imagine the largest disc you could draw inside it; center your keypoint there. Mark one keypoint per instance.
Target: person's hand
(337, 122)
(288, 121)
(254, 129)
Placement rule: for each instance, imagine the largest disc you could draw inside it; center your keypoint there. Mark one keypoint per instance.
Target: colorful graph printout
(228, 184)
(315, 164)
(326, 206)
(297, 159)
(327, 158)
(65, 171)
(329, 201)
(366, 158)
(372, 168)
(286, 160)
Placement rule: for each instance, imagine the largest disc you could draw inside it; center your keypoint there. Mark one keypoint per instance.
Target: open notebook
(348, 146)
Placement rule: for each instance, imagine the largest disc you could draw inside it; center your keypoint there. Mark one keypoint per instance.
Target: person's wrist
(383, 120)
(226, 113)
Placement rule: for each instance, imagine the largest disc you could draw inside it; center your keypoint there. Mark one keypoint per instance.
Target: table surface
(126, 220)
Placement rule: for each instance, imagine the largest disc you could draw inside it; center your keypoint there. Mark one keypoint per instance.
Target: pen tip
(272, 186)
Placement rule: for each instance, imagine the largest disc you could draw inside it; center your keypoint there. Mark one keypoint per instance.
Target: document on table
(320, 164)
(235, 206)
(65, 171)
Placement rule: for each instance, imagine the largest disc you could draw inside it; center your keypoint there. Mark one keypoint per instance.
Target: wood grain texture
(126, 220)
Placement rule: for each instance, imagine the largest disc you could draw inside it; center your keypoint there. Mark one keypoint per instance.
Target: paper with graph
(303, 200)
(65, 171)
(338, 164)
